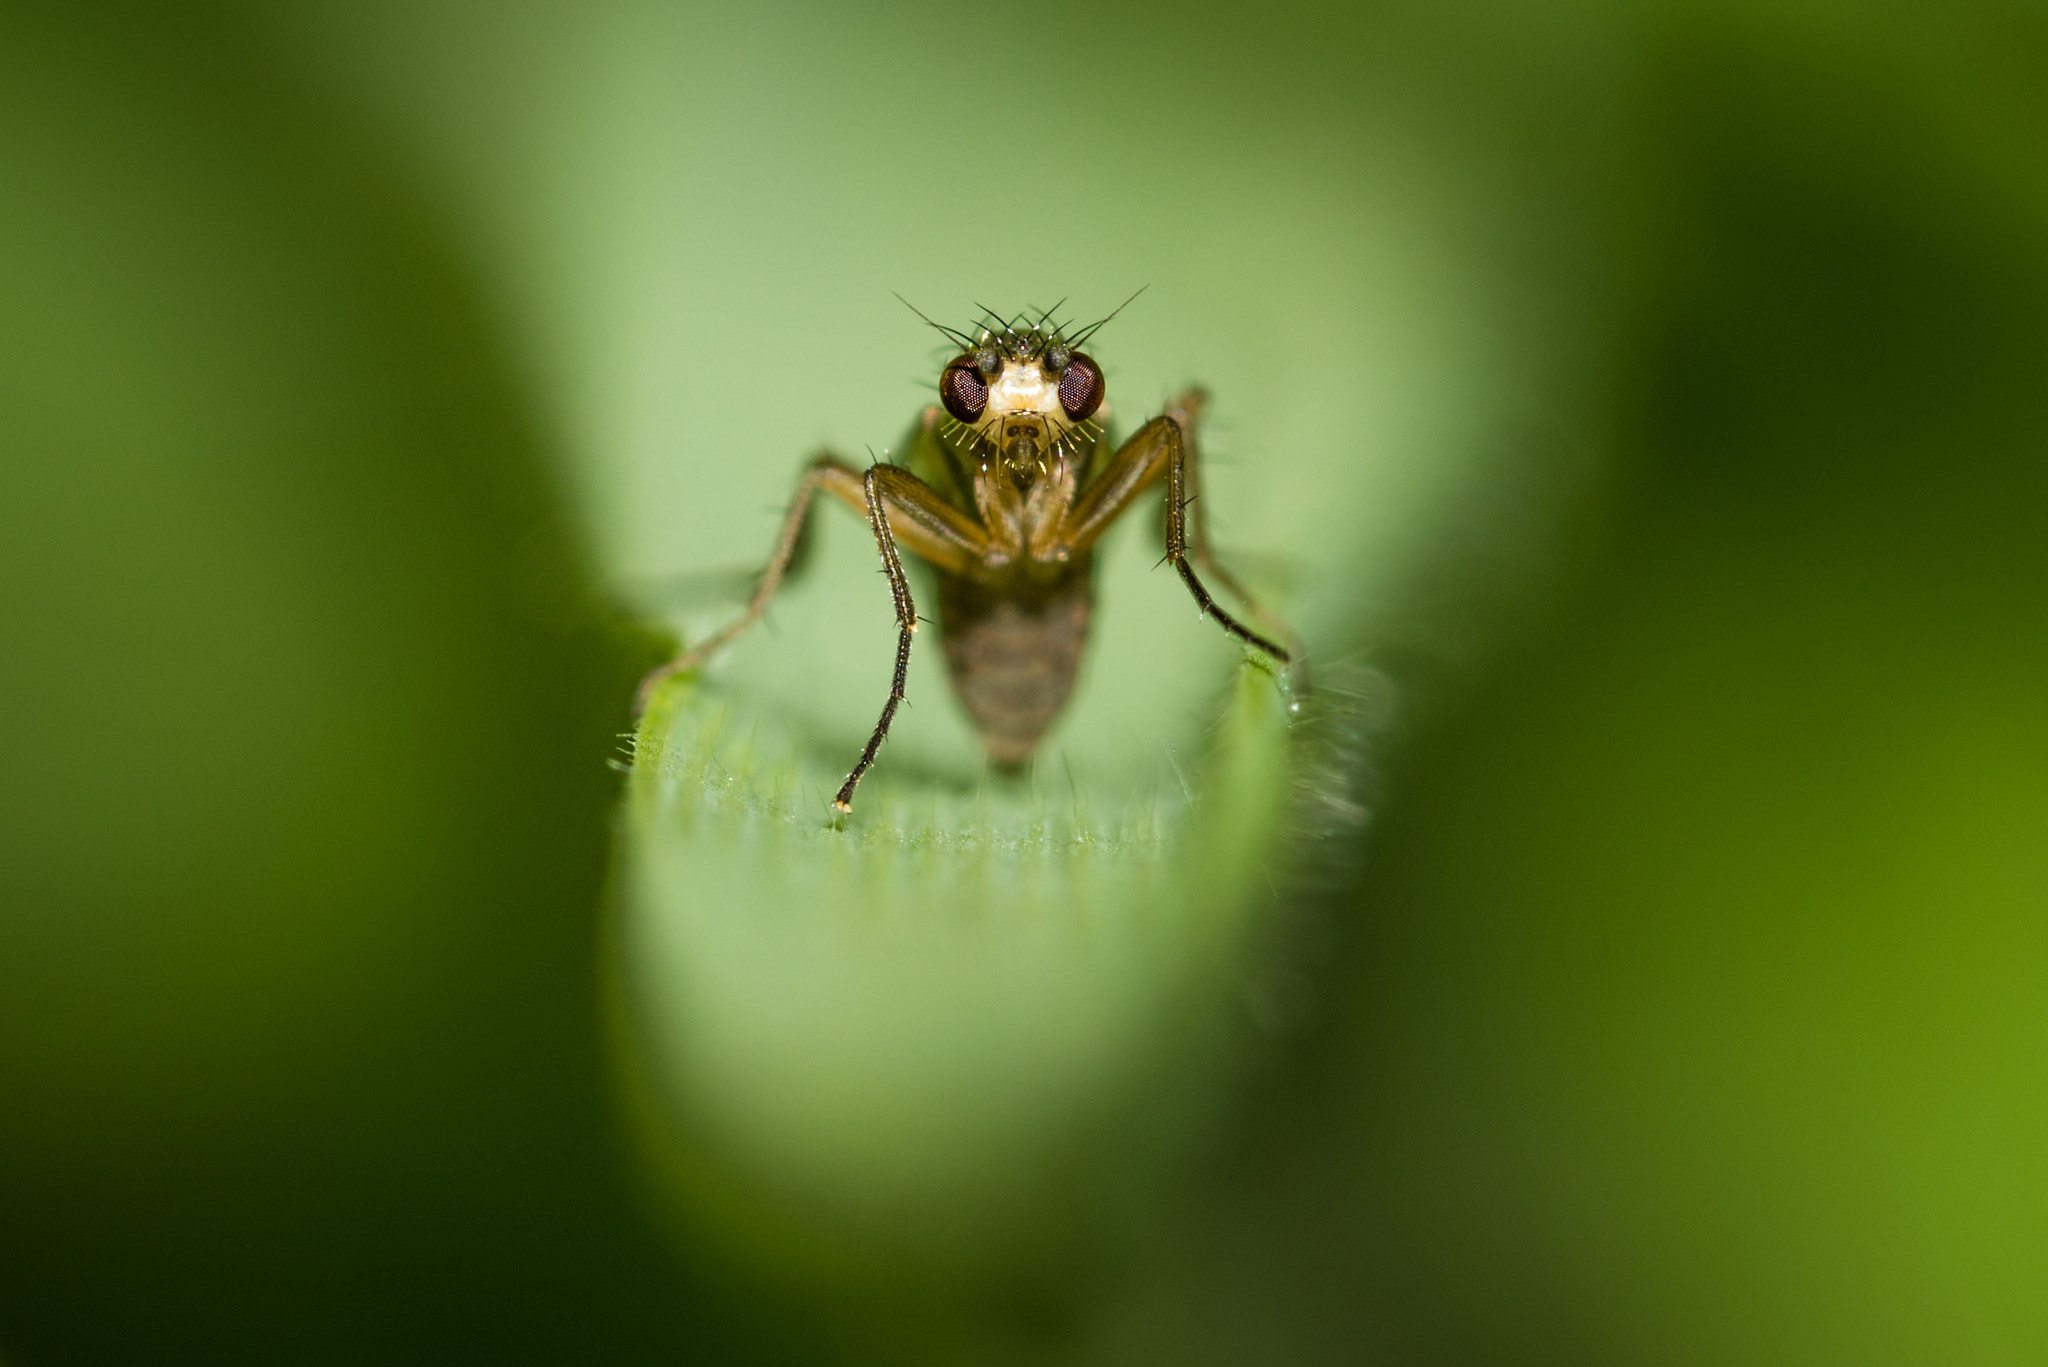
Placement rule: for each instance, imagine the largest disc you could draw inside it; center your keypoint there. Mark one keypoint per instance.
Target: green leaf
(907, 1033)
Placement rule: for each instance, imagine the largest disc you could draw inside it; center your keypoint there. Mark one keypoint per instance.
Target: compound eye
(1080, 387)
(962, 389)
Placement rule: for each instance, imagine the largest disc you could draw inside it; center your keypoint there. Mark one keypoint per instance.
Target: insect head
(1019, 390)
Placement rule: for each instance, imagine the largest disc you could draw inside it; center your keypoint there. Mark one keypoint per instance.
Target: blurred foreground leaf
(303, 705)
(1694, 1006)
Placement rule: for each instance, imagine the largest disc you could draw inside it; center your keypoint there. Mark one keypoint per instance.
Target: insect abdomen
(1013, 655)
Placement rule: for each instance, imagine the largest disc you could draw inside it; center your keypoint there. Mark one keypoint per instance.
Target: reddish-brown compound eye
(962, 389)
(1080, 387)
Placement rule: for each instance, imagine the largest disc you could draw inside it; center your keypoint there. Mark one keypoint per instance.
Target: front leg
(1187, 409)
(923, 521)
(899, 504)
(1163, 447)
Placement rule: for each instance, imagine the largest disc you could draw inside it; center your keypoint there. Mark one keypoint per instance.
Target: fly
(1008, 483)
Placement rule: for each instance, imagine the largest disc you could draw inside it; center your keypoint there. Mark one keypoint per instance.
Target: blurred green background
(1641, 409)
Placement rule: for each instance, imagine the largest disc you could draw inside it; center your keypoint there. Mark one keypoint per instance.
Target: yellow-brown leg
(898, 506)
(1163, 446)
(823, 471)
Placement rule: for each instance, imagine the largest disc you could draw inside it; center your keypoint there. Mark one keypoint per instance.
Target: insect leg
(827, 471)
(1161, 446)
(906, 619)
(1187, 409)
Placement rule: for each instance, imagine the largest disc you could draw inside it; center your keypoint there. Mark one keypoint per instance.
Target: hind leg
(827, 472)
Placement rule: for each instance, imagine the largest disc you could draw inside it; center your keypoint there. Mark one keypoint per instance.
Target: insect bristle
(953, 335)
(1027, 335)
(1093, 327)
